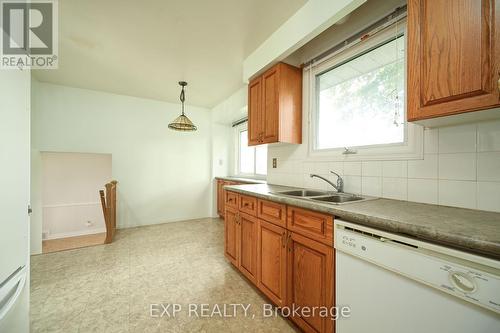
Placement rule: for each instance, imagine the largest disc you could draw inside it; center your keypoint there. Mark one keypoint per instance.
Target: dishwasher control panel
(404, 256)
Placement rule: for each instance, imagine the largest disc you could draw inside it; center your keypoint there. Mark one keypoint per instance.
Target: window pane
(246, 154)
(360, 103)
(261, 160)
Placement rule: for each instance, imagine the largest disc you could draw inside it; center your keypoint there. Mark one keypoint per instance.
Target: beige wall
(70, 193)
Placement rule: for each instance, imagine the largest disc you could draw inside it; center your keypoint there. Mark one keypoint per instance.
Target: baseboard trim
(75, 234)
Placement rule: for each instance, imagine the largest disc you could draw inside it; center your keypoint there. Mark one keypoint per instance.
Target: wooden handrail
(108, 203)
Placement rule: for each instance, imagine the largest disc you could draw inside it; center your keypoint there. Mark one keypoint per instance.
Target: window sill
(413, 149)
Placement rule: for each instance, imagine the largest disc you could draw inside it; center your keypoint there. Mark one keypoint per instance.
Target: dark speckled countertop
(466, 229)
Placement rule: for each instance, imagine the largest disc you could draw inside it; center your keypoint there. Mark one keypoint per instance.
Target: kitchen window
(357, 99)
(362, 97)
(251, 160)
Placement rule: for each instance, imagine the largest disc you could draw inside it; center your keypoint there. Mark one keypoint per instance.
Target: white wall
(163, 175)
(222, 116)
(70, 193)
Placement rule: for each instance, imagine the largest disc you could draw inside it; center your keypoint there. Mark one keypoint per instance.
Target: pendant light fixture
(182, 123)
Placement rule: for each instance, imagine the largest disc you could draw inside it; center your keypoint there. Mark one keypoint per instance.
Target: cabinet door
(231, 235)
(247, 260)
(220, 198)
(453, 57)
(272, 262)
(255, 112)
(310, 280)
(270, 105)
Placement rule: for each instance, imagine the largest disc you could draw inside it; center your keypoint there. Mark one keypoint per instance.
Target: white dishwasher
(395, 284)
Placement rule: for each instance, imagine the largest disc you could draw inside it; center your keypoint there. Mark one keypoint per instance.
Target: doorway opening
(72, 215)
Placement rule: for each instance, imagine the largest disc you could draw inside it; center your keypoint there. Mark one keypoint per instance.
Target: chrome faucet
(340, 182)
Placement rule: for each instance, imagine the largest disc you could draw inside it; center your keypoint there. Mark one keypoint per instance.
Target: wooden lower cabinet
(291, 268)
(247, 234)
(231, 235)
(220, 198)
(310, 280)
(272, 262)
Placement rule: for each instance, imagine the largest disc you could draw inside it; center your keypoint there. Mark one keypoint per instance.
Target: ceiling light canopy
(182, 123)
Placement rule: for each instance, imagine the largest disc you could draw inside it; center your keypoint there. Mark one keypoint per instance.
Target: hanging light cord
(182, 99)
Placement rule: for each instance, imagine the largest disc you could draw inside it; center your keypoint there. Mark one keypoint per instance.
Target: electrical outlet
(275, 163)
(89, 223)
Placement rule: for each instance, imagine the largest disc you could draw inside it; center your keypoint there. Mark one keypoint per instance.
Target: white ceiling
(142, 48)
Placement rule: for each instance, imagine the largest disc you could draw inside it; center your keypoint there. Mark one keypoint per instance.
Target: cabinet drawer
(311, 224)
(231, 199)
(272, 212)
(248, 205)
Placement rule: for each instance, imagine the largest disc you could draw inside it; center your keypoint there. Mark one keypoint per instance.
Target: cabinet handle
(245, 204)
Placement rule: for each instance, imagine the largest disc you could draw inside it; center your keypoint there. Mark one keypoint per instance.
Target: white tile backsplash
(431, 140)
(488, 136)
(371, 168)
(488, 166)
(398, 169)
(352, 168)
(458, 139)
(423, 190)
(371, 186)
(321, 168)
(488, 196)
(426, 168)
(352, 184)
(395, 188)
(451, 173)
(457, 193)
(457, 166)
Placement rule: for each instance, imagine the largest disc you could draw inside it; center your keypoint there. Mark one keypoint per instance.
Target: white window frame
(411, 148)
(237, 135)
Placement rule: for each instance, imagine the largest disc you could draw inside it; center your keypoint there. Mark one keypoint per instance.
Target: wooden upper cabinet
(275, 106)
(453, 57)
(270, 87)
(255, 111)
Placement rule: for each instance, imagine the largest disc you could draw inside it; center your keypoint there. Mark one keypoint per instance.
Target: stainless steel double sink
(336, 198)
